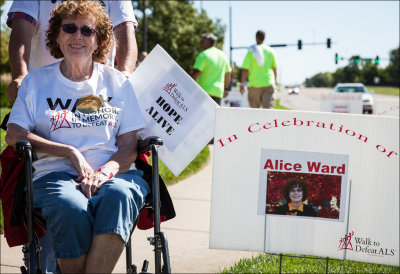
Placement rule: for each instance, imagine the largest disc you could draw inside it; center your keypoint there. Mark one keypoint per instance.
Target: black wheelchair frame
(158, 240)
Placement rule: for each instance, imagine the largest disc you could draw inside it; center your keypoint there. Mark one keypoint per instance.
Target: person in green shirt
(260, 65)
(211, 69)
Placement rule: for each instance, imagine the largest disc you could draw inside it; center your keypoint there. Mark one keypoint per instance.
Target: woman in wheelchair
(81, 118)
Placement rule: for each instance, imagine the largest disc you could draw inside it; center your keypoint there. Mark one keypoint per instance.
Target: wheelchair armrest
(23, 145)
(145, 145)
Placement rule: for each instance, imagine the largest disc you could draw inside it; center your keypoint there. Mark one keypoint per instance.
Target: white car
(293, 90)
(367, 98)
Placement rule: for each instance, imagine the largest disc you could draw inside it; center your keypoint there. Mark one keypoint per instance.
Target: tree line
(365, 72)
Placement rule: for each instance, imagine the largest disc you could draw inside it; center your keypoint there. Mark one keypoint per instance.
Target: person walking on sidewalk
(211, 69)
(260, 65)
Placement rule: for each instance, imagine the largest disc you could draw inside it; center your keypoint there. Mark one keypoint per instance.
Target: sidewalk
(187, 233)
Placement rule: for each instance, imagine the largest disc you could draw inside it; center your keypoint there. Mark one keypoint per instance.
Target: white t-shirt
(119, 12)
(47, 105)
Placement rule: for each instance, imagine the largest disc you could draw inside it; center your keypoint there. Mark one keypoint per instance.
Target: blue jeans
(73, 220)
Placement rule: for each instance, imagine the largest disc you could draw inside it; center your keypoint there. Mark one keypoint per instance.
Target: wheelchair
(150, 212)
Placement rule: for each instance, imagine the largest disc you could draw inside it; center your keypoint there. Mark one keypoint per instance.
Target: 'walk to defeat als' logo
(365, 245)
(345, 242)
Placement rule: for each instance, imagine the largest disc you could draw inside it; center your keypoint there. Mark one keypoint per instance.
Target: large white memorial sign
(348, 170)
(175, 108)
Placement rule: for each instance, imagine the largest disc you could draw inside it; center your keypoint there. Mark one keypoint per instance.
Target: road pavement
(187, 233)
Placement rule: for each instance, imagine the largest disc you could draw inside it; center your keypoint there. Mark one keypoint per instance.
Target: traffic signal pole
(299, 43)
(285, 45)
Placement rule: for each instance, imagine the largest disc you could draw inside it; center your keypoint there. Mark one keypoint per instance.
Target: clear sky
(365, 28)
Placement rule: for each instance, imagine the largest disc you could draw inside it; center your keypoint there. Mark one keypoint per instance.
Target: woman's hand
(83, 169)
(91, 184)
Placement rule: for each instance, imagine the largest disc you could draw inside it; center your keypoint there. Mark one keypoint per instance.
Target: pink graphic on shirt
(59, 120)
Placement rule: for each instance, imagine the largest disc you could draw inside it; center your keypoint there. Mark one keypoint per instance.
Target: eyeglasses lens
(87, 31)
(72, 28)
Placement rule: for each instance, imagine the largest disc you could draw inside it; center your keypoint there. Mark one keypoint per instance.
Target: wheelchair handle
(23, 145)
(146, 144)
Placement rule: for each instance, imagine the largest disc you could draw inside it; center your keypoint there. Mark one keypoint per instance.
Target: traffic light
(336, 58)
(328, 43)
(357, 59)
(299, 44)
(377, 60)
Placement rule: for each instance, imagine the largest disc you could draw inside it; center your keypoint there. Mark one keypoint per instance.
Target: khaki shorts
(263, 96)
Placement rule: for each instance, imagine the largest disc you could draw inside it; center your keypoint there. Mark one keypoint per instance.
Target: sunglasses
(72, 28)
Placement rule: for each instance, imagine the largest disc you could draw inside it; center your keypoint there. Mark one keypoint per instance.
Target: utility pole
(230, 34)
(144, 42)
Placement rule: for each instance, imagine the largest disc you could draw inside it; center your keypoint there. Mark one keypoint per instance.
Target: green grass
(266, 263)
(278, 104)
(385, 90)
(4, 102)
(201, 159)
(3, 112)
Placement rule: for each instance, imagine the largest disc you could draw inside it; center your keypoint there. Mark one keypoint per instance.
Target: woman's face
(296, 194)
(77, 46)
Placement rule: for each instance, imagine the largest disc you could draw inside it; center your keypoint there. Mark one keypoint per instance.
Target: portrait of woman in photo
(295, 192)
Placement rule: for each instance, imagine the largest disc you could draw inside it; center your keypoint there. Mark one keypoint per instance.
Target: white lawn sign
(349, 163)
(175, 108)
(341, 103)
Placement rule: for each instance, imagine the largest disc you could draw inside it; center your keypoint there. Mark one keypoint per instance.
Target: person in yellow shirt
(260, 66)
(211, 69)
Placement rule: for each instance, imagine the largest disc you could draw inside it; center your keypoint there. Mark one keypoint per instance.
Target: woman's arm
(126, 53)
(119, 162)
(19, 52)
(16, 132)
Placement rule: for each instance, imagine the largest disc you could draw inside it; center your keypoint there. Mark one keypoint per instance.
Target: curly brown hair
(76, 9)
(290, 184)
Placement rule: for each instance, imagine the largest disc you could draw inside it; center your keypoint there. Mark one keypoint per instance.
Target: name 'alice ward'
(311, 167)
